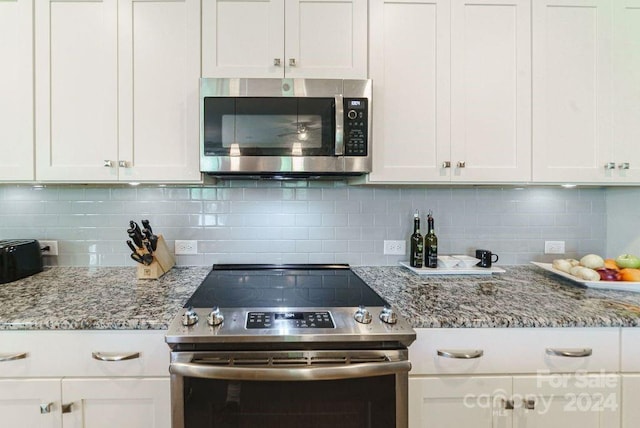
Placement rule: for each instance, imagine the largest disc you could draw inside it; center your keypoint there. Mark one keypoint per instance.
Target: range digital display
(261, 320)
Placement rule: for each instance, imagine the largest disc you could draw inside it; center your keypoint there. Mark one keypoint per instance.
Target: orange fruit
(630, 274)
(611, 264)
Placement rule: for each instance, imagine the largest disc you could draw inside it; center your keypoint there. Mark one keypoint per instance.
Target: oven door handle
(347, 371)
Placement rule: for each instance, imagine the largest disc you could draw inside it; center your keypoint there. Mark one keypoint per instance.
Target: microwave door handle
(351, 371)
(339, 125)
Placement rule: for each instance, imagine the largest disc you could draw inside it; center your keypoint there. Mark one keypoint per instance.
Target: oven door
(286, 389)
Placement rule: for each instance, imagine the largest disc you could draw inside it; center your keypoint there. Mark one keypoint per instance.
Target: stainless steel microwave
(308, 128)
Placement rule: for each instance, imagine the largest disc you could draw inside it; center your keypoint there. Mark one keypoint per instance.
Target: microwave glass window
(272, 131)
(265, 126)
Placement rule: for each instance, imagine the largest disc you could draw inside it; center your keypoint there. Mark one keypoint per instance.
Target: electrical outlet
(554, 247)
(395, 248)
(52, 250)
(186, 247)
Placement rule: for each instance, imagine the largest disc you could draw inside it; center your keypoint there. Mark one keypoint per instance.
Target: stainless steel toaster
(19, 258)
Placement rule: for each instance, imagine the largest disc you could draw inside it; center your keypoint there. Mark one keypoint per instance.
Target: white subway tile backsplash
(298, 222)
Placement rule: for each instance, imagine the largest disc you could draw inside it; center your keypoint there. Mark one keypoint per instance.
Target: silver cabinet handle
(461, 164)
(463, 354)
(292, 62)
(112, 356)
(123, 164)
(570, 352)
(107, 163)
(66, 408)
(13, 357)
(446, 164)
(610, 165)
(45, 408)
(276, 62)
(624, 165)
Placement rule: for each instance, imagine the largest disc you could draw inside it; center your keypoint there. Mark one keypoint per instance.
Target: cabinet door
(572, 90)
(461, 402)
(243, 38)
(30, 403)
(159, 69)
(326, 39)
(626, 83)
(491, 90)
(16, 87)
(76, 89)
(567, 400)
(409, 51)
(630, 394)
(123, 403)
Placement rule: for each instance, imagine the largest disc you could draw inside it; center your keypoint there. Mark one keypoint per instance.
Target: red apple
(607, 274)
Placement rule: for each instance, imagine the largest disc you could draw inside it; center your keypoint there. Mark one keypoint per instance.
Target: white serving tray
(474, 270)
(603, 285)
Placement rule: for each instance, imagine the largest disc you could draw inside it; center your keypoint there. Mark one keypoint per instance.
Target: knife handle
(130, 244)
(146, 225)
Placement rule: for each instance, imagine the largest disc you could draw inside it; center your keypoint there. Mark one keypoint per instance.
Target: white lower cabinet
(74, 379)
(123, 403)
(520, 378)
(630, 344)
(459, 401)
(24, 403)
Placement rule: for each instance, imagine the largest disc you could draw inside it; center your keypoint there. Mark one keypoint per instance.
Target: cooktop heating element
(286, 304)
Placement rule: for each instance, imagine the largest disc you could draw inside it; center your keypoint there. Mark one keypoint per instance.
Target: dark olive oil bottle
(417, 243)
(431, 244)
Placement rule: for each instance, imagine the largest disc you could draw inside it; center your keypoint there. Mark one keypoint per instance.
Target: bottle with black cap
(417, 243)
(431, 244)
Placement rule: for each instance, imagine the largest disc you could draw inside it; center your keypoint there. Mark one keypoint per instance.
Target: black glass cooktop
(251, 286)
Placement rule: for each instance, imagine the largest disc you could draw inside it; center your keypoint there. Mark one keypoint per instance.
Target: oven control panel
(260, 320)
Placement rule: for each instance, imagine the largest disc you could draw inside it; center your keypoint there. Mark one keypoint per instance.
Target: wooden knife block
(162, 263)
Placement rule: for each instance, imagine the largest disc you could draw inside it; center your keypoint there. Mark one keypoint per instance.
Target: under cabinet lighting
(568, 186)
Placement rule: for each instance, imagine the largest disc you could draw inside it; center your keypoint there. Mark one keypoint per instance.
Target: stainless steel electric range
(288, 346)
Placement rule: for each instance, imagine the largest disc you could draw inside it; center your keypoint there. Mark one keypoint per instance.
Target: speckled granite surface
(69, 298)
(524, 296)
(112, 298)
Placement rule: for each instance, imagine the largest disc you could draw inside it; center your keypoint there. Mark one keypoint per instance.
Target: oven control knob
(362, 315)
(189, 317)
(388, 316)
(215, 317)
(352, 114)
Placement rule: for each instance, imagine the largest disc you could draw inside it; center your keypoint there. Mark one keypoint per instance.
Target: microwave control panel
(356, 124)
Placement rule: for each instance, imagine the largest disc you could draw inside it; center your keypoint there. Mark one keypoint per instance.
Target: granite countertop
(69, 298)
(73, 298)
(524, 296)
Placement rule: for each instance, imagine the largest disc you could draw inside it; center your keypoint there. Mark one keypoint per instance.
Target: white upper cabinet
(491, 90)
(410, 68)
(452, 95)
(284, 38)
(16, 87)
(572, 78)
(626, 87)
(117, 90)
(159, 71)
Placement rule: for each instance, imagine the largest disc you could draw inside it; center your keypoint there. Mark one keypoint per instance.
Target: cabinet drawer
(513, 350)
(630, 349)
(84, 353)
